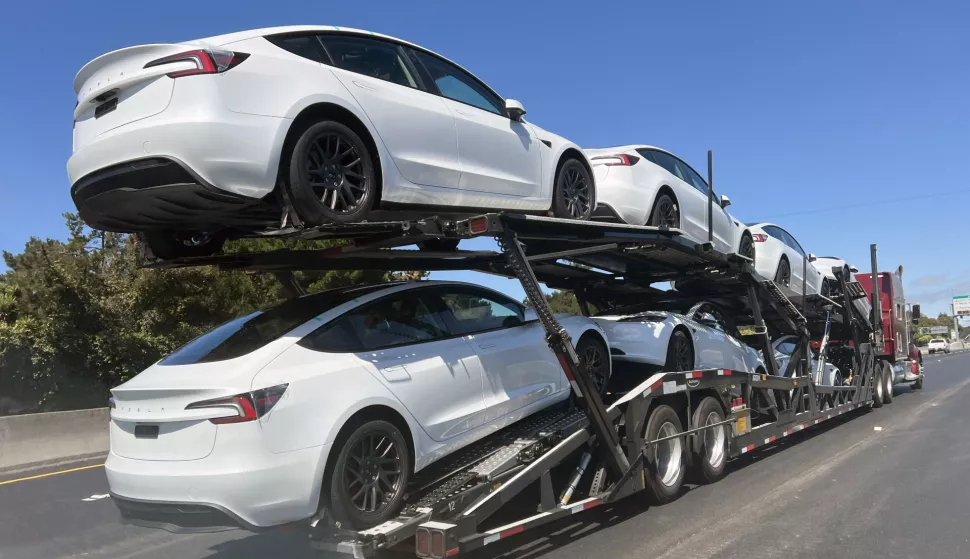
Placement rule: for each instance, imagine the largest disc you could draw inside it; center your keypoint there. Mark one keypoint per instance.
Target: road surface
(886, 483)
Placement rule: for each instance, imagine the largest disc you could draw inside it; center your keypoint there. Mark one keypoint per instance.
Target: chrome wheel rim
(335, 172)
(575, 192)
(714, 440)
(667, 455)
(372, 473)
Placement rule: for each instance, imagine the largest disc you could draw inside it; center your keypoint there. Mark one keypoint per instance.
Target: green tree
(562, 302)
(80, 316)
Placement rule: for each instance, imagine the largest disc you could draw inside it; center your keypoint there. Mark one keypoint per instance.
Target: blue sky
(808, 106)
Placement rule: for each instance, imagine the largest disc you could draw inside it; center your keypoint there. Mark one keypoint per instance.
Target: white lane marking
(877, 428)
(96, 497)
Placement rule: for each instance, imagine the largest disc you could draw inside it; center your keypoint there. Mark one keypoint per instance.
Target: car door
(416, 126)
(407, 347)
(497, 154)
(812, 276)
(519, 368)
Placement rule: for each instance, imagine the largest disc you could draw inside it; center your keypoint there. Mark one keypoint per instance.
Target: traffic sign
(961, 305)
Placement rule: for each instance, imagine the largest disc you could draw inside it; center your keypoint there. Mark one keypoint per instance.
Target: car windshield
(248, 333)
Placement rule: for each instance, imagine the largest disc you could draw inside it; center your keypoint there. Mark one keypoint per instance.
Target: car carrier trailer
(591, 453)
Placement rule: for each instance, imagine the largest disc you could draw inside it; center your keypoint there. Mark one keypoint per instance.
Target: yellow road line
(51, 474)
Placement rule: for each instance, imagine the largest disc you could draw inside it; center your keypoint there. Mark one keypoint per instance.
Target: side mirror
(514, 109)
(725, 201)
(853, 269)
(707, 319)
(915, 316)
(812, 257)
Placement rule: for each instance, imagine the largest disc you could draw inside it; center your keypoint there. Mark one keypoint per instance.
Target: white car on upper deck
(190, 143)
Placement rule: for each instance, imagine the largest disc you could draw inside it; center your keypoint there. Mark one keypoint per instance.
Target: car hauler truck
(595, 452)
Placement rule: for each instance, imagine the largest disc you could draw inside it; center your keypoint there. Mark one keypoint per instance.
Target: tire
(573, 195)
(680, 353)
(439, 245)
(709, 448)
(354, 499)
(746, 247)
(595, 358)
(783, 274)
(666, 212)
(331, 176)
(887, 377)
(918, 385)
(878, 388)
(167, 245)
(664, 463)
(825, 290)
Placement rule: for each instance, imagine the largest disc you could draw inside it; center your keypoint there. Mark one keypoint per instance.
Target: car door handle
(463, 112)
(364, 86)
(486, 346)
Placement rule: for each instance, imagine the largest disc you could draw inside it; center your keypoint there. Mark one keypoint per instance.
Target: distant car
(785, 346)
(938, 345)
(779, 257)
(340, 396)
(645, 185)
(192, 142)
(701, 338)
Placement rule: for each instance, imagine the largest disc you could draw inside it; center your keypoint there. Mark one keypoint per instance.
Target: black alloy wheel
(783, 275)
(332, 177)
(665, 213)
(573, 197)
(746, 247)
(594, 357)
(680, 355)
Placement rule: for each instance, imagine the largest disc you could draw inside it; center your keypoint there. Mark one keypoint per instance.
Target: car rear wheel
(369, 478)
(746, 247)
(331, 175)
(680, 354)
(665, 213)
(783, 274)
(167, 245)
(573, 195)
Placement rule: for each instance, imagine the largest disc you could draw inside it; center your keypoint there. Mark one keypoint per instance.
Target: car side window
(794, 244)
(774, 232)
(699, 183)
(457, 85)
(306, 46)
(475, 311)
(397, 320)
(370, 57)
(670, 164)
(786, 348)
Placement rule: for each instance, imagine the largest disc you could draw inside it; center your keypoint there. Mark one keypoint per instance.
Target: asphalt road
(885, 483)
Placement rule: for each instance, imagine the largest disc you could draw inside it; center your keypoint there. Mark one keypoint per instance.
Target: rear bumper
(163, 193)
(246, 488)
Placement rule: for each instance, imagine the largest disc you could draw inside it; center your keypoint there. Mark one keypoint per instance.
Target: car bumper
(251, 491)
(174, 168)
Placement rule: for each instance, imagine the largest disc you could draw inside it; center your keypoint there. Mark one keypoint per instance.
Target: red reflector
(511, 531)
(422, 542)
(452, 552)
(438, 544)
(478, 225)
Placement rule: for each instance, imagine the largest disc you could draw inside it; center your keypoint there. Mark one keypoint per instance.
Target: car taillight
(616, 160)
(758, 237)
(248, 407)
(207, 61)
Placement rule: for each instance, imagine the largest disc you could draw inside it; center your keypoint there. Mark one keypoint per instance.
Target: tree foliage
(80, 316)
(562, 302)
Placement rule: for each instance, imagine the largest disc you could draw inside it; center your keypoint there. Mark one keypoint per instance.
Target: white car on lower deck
(701, 338)
(784, 346)
(645, 185)
(342, 394)
(191, 142)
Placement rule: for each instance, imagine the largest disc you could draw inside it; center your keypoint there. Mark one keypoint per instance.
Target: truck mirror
(915, 314)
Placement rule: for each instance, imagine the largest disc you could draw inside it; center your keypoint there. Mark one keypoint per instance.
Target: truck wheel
(918, 385)
(664, 461)
(887, 377)
(709, 450)
(878, 388)
(370, 476)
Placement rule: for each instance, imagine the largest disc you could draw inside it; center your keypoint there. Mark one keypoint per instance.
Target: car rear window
(304, 45)
(251, 332)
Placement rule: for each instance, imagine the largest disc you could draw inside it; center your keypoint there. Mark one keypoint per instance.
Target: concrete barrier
(39, 438)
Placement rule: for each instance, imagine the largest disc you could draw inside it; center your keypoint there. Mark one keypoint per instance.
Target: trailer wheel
(878, 388)
(709, 450)
(887, 377)
(370, 477)
(664, 461)
(918, 385)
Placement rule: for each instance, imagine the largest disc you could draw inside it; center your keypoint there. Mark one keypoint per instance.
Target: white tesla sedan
(645, 185)
(779, 257)
(194, 141)
(701, 338)
(340, 395)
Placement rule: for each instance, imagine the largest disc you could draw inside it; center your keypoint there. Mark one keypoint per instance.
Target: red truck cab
(893, 304)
